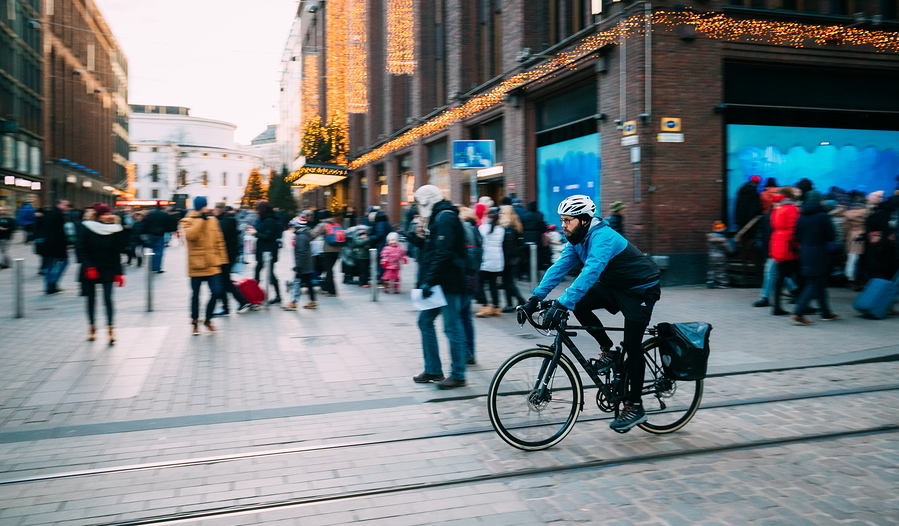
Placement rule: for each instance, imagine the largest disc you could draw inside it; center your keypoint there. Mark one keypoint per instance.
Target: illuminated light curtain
(401, 37)
(336, 42)
(310, 88)
(357, 81)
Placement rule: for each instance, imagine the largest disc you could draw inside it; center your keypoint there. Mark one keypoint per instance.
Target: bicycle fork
(547, 369)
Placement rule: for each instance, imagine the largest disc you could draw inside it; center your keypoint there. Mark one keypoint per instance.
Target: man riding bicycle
(616, 277)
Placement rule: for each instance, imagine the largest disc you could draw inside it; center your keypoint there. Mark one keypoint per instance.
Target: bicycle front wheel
(523, 417)
(669, 404)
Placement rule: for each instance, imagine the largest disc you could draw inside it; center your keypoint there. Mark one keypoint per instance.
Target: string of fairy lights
(357, 76)
(712, 25)
(401, 39)
(310, 87)
(336, 82)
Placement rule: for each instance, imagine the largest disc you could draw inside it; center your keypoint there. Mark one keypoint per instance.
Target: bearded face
(575, 229)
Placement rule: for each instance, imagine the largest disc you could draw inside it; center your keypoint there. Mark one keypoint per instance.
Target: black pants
(510, 273)
(215, 291)
(90, 291)
(489, 279)
(784, 269)
(260, 264)
(328, 260)
(634, 328)
(813, 287)
(228, 286)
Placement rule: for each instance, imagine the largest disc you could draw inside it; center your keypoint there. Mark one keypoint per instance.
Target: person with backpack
(493, 262)
(303, 269)
(335, 237)
(442, 249)
(474, 256)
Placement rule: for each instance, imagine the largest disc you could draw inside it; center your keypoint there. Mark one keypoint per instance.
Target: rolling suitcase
(251, 291)
(877, 297)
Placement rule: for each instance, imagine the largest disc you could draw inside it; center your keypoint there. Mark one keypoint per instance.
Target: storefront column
(395, 189)
(456, 133)
(374, 189)
(519, 178)
(420, 164)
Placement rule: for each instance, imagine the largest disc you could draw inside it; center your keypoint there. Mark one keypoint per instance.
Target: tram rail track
(248, 509)
(217, 459)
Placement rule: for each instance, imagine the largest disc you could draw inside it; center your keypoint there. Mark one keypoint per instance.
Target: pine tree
(279, 192)
(254, 190)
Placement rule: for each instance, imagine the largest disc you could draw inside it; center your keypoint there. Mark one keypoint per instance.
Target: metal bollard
(148, 254)
(19, 267)
(267, 274)
(533, 267)
(373, 260)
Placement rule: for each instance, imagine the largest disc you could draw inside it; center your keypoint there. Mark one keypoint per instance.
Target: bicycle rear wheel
(669, 404)
(518, 414)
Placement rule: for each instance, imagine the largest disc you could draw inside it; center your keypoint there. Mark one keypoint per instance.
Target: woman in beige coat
(854, 227)
(205, 256)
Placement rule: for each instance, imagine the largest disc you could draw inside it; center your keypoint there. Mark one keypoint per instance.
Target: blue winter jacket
(607, 257)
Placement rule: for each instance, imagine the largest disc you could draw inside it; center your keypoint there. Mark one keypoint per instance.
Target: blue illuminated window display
(567, 168)
(864, 160)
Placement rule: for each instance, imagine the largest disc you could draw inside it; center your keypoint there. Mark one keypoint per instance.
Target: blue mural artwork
(864, 160)
(567, 168)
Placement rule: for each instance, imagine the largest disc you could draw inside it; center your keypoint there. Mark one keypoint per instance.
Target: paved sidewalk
(351, 353)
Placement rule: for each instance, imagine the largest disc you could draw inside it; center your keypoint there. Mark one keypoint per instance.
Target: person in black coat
(442, 250)
(268, 239)
(379, 233)
(814, 234)
(534, 226)
(879, 257)
(228, 226)
(748, 203)
(156, 224)
(56, 245)
(98, 247)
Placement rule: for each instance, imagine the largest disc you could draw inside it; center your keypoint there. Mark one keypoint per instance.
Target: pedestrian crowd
(803, 241)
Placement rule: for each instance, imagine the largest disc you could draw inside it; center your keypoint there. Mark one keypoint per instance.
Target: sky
(220, 58)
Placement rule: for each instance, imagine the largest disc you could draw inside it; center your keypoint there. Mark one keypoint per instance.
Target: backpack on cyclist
(335, 235)
(685, 349)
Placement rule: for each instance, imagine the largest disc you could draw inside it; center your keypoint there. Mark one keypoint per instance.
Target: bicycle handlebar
(523, 315)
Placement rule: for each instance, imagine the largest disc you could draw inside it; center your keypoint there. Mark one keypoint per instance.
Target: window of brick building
(155, 193)
(154, 173)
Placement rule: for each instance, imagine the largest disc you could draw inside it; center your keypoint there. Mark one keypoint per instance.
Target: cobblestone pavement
(329, 390)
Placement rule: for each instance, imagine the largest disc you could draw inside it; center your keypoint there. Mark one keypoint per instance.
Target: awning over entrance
(312, 175)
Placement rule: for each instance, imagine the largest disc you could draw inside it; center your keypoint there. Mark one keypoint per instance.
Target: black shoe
(243, 308)
(450, 383)
(510, 308)
(471, 360)
(275, 301)
(607, 358)
(761, 303)
(220, 313)
(779, 312)
(424, 378)
(630, 415)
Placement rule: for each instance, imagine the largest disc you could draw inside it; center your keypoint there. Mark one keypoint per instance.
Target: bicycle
(536, 395)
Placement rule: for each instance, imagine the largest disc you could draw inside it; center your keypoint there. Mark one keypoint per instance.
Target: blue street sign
(474, 154)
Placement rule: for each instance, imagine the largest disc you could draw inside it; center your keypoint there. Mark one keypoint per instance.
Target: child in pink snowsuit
(393, 256)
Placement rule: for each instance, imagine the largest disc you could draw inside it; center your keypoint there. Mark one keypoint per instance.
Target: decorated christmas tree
(254, 190)
(279, 194)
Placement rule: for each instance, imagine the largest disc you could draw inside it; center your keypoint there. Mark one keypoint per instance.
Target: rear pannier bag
(685, 349)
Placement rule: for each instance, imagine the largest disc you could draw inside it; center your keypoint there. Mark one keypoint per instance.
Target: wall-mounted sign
(24, 183)
(629, 128)
(9, 179)
(671, 137)
(635, 154)
(670, 124)
(35, 185)
(630, 141)
(474, 154)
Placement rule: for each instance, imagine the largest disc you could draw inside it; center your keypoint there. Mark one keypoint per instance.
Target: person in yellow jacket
(205, 256)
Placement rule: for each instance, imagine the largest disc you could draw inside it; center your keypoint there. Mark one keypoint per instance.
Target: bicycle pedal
(622, 431)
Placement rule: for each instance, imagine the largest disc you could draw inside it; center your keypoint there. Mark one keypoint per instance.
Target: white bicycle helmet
(576, 205)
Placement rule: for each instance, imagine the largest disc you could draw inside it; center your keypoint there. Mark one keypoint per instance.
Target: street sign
(630, 128)
(670, 124)
(635, 154)
(474, 154)
(630, 140)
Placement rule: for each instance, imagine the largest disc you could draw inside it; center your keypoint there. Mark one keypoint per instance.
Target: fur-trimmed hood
(103, 229)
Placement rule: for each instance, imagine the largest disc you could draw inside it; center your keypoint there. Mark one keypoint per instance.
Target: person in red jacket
(783, 243)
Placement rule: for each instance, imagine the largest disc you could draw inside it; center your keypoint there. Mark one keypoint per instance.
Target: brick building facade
(85, 81)
(568, 94)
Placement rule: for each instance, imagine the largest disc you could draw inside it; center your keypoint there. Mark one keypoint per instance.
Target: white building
(175, 154)
(290, 132)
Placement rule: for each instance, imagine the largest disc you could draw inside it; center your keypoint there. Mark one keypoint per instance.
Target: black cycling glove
(532, 305)
(556, 315)
(426, 291)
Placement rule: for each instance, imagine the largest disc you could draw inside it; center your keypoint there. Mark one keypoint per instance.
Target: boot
(486, 311)
(290, 306)
(196, 331)
(111, 334)
(92, 333)
(496, 312)
(209, 326)
(310, 305)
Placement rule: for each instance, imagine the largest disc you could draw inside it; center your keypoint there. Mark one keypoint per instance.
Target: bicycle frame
(563, 338)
